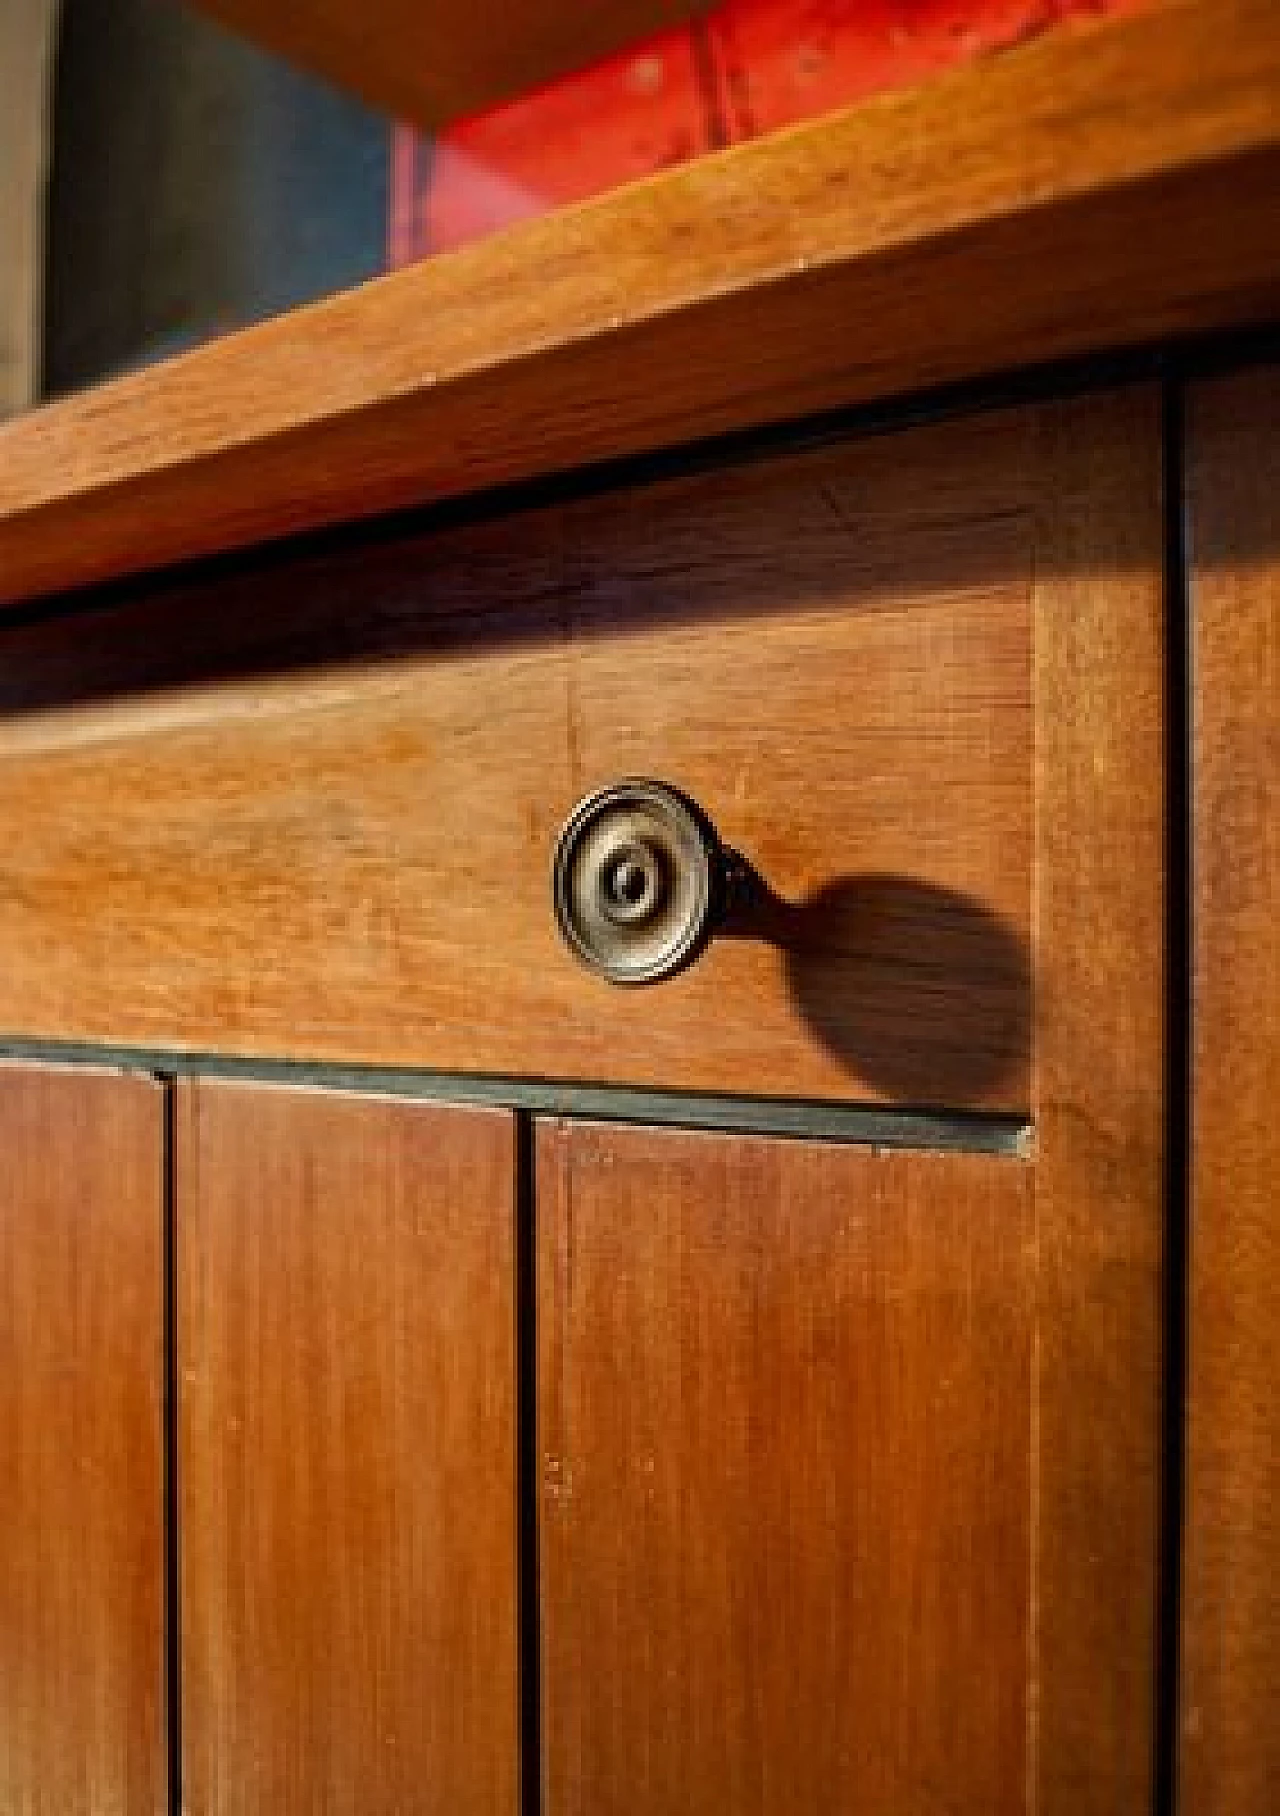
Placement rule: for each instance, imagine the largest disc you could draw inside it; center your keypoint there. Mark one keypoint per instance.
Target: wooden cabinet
(431, 1379)
(82, 1578)
(688, 1469)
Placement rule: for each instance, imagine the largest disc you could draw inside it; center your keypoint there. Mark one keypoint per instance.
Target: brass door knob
(638, 881)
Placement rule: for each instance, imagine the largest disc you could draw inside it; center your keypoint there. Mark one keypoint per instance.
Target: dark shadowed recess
(198, 185)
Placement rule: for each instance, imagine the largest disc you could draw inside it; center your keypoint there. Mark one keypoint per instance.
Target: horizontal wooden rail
(1093, 188)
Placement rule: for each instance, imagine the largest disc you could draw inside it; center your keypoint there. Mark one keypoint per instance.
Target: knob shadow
(919, 991)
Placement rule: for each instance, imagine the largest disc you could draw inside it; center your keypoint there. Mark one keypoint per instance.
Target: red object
(753, 66)
(782, 61)
(590, 132)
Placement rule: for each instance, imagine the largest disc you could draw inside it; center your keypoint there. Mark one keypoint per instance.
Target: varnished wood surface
(1094, 188)
(850, 1461)
(786, 1476)
(1231, 1590)
(82, 1716)
(315, 815)
(347, 1463)
(1099, 1107)
(435, 60)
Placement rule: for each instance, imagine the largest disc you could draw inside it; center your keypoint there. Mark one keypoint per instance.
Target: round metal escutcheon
(636, 881)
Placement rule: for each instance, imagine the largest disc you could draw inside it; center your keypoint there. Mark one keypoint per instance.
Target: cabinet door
(850, 1459)
(347, 1463)
(82, 1720)
(1231, 1601)
(788, 1474)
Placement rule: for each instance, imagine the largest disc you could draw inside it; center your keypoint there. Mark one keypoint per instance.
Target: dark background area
(198, 185)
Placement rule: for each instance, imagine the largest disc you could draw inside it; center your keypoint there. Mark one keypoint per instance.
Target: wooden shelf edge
(1092, 189)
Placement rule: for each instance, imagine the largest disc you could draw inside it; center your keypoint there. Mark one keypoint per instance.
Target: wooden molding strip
(1094, 188)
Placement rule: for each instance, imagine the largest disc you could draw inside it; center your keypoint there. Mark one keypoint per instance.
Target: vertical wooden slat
(1100, 1088)
(1230, 1717)
(81, 1408)
(347, 1455)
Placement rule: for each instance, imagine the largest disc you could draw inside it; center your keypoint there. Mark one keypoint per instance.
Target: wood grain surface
(347, 1463)
(1097, 187)
(82, 1714)
(436, 60)
(1231, 1591)
(786, 1476)
(1099, 1106)
(851, 1461)
(313, 813)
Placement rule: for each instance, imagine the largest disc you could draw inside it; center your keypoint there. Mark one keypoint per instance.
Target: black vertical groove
(1178, 1095)
(172, 1598)
(527, 1472)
